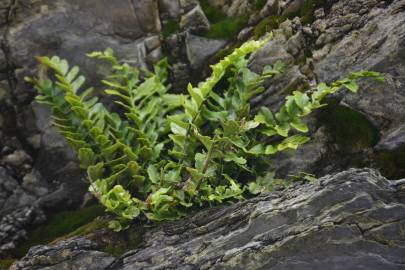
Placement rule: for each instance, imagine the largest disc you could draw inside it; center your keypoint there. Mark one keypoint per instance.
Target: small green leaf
(153, 174)
(352, 86)
(230, 156)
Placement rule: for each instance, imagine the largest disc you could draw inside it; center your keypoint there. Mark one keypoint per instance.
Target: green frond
(163, 153)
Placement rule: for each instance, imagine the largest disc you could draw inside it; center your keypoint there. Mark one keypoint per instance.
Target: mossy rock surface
(222, 27)
(351, 130)
(57, 226)
(170, 27)
(6, 263)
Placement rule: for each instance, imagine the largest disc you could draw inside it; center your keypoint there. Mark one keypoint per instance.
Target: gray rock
(350, 36)
(280, 86)
(3, 61)
(17, 158)
(195, 19)
(152, 43)
(296, 44)
(272, 52)
(4, 11)
(52, 28)
(73, 254)
(200, 48)
(7, 186)
(13, 229)
(17, 212)
(378, 45)
(187, 5)
(393, 140)
(337, 223)
(169, 7)
(351, 220)
(39, 31)
(245, 33)
(239, 8)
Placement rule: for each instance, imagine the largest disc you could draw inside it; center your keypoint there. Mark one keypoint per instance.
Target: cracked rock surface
(351, 220)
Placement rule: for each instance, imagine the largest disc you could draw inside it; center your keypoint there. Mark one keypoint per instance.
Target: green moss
(170, 27)
(97, 224)
(259, 4)
(391, 164)
(214, 14)
(267, 24)
(123, 242)
(308, 8)
(228, 28)
(222, 27)
(6, 263)
(351, 130)
(57, 226)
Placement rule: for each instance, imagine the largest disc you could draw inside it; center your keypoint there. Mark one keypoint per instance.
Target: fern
(163, 153)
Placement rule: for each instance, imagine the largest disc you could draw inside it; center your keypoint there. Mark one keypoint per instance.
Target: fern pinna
(164, 153)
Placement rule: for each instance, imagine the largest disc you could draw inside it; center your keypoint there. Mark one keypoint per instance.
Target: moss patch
(214, 14)
(268, 24)
(170, 27)
(57, 226)
(222, 27)
(351, 130)
(391, 164)
(121, 242)
(6, 263)
(226, 29)
(259, 4)
(306, 10)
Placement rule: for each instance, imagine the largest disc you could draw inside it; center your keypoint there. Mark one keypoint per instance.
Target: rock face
(345, 36)
(39, 173)
(75, 253)
(352, 220)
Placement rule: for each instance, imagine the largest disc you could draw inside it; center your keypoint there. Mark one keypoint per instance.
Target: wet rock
(349, 220)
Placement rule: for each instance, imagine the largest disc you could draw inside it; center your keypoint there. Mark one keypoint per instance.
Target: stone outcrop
(38, 171)
(347, 36)
(351, 220)
(75, 253)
